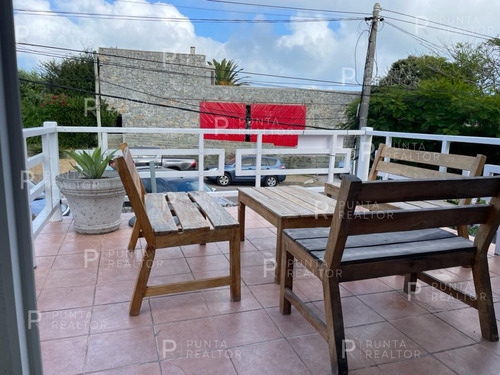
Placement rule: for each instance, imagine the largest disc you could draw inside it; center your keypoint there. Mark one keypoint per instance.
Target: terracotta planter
(96, 204)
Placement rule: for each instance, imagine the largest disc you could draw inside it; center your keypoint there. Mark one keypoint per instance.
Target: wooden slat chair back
(370, 244)
(425, 160)
(199, 220)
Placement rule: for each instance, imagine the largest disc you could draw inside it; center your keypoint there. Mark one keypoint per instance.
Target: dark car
(39, 203)
(248, 163)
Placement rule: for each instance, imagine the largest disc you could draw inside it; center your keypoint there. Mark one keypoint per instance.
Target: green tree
(227, 73)
(68, 107)
(455, 95)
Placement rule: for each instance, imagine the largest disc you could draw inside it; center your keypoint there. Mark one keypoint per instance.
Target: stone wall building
(185, 80)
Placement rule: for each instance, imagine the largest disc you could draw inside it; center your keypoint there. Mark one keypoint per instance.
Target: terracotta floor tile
(433, 300)
(169, 279)
(48, 244)
(473, 359)
(58, 227)
(119, 240)
(179, 307)
(313, 351)
(80, 242)
(262, 359)
(244, 246)
(251, 259)
(114, 317)
(180, 339)
(169, 253)
(495, 285)
(392, 305)
(395, 282)
(383, 343)
(144, 369)
(463, 272)
(432, 333)
(466, 320)
(293, 324)
(167, 267)
(311, 288)
(60, 324)
(113, 292)
(268, 243)
(494, 264)
(417, 366)
(239, 329)
(267, 294)
(74, 277)
(121, 348)
(354, 311)
(200, 362)
(208, 263)
(374, 370)
(219, 301)
(117, 272)
(44, 263)
(66, 298)
(253, 233)
(255, 223)
(89, 259)
(256, 276)
(201, 250)
(446, 276)
(57, 359)
(366, 286)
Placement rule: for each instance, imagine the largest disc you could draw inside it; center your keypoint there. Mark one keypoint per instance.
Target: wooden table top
(289, 201)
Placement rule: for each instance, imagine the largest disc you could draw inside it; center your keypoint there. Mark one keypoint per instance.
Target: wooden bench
(370, 244)
(200, 220)
(425, 160)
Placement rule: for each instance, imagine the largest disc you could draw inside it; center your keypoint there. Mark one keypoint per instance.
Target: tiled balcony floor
(84, 285)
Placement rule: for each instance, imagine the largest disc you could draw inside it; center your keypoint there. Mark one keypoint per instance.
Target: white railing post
(50, 149)
(104, 140)
(258, 160)
(445, 149)
(364, 153)
(201, 161)
(331, 165)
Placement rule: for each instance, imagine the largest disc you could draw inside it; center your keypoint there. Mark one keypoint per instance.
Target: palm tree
(226, 73)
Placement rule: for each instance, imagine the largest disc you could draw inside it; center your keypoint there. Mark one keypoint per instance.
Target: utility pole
(367, 76)
(97, 97)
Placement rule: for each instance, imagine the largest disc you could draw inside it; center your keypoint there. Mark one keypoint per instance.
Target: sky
(329, 50)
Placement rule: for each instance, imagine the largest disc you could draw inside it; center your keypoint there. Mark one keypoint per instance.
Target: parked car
(248, 163)
(179, 164)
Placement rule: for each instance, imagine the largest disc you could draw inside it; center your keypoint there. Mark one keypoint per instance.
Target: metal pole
(97, 97)
(367, 76)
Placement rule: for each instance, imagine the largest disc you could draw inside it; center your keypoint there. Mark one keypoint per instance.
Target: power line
(187, 65)
(167, 105)
(127, 17)
(440, 24)
(459, 31)
(287, 7)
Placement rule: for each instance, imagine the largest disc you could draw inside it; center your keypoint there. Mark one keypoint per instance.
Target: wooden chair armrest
(332, 189)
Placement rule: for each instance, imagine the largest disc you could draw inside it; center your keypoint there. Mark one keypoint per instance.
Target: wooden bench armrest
(332, 189)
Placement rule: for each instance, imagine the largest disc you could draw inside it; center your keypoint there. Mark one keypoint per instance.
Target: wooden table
(285, 207)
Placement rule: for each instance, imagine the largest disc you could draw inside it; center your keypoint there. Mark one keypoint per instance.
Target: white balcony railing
(328, 143)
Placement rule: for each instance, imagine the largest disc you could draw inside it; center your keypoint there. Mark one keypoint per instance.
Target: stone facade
(185, 80)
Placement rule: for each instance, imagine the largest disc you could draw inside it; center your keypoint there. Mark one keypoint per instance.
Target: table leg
(279, 249)
(241, 219)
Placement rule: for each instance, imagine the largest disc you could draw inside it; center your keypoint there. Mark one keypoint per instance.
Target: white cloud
(315, 50)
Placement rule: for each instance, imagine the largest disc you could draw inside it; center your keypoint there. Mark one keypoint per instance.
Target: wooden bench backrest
(135, 190)
(354, 192)
(474, 165)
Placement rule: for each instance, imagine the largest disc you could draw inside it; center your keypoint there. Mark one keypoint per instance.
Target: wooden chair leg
(286, 281)
(279, 250)
(134, 236)
(410, 284)
(335, 326)
(485, 307)
(241, 220)
(142, 281)
(234, 265)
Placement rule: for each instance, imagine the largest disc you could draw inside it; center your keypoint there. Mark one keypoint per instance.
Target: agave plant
(91, 165)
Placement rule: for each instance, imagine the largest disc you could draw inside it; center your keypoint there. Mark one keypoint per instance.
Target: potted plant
(95, 195)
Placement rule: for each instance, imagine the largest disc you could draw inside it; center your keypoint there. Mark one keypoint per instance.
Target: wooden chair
(370, 244)
(201, 220)
(424, 164)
